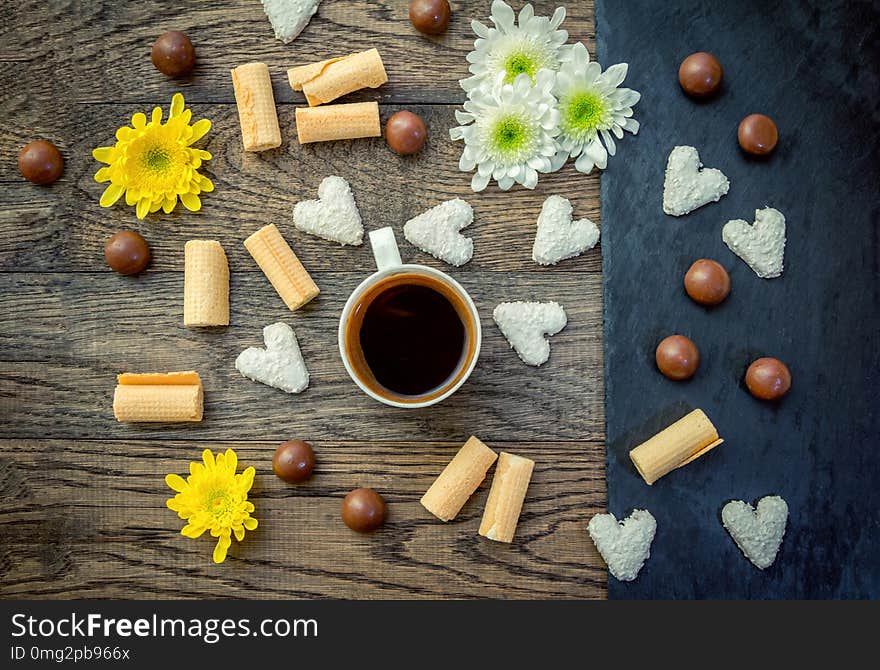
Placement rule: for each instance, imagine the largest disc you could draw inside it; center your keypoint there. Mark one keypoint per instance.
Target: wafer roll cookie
(205, 284)
(157, 397)
(459, 479)
(684, 441)
(337, 122)
(333, 78)
(256, 107)
(506, 497)
(281, 266)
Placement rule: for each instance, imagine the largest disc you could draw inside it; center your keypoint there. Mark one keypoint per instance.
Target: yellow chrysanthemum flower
(214, 498)
(153, 163)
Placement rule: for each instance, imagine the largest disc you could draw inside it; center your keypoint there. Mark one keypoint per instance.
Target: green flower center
(218, 502)
(509, 135)
(157, 159)
(518, 63)
(584, 112)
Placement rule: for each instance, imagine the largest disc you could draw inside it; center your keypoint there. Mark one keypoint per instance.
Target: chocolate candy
(707, 282)
(700, 74)
(768, 379)
(406, 133)
(429, 16)
(293, 461)
(677, 357)
(757, 135)
(127, 252)
(173, 54)
(40, 162)
(363, 510)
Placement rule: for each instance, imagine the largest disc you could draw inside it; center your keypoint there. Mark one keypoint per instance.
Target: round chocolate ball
(677, 357)
(173, 54)
(707, 282)
(700, 74)
(363, 510)
(40, 162)
(429, 16)
(127, 252)
(406, 133)
(757, 135)
(768, 379)
(293, 461)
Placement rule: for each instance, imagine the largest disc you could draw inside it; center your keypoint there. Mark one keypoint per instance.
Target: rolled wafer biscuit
(281, 266)
(684, 441)
(506, 497)
(333, 78)
(205, 284)
(256, 107)
(337, 122)
(158, 397)
(459, 479)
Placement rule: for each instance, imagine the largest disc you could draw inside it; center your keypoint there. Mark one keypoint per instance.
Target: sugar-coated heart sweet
(762, 244)
(289, 17)
(624, 545)
(525, 324)
(559, 237)
(757, 532)
(333, 216)
(688, 185)
(280, 365)
(436, 232)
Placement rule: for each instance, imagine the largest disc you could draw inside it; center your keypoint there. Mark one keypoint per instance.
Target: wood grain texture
(93, 51)
(73, 333)
(83, 499)
(88, 519)
(62, 227)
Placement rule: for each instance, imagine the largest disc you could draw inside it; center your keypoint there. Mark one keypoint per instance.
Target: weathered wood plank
(71, 334)
(88, 519)
(62, 227)
(99, 50)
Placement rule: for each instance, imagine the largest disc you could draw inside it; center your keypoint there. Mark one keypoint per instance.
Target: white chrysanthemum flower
(527, 48)
(591, 109)
(509, 131)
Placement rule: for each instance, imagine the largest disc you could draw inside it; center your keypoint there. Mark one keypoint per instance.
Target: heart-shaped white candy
(333, 216)
(289, 17)
(280, 364)
(758, 533)
(624, 545)
(559, 237)
(437, 231)
(761, 245)
(688, 185)
(524, 324)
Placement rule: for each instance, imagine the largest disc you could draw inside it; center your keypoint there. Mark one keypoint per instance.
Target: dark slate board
(811, 66)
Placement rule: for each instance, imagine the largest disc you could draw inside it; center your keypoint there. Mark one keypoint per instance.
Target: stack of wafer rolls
(158, 397)
(281, 266)
(459, 479)
(205, 284)
(330, 79)
(501, 516)
(337, 122)
(256, 107)
(684, 441)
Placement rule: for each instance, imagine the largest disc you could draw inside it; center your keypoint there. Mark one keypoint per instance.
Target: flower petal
(239, 532)
(143, 208)
(193, 531)
(208, 458)
(220, 550)
(176, 105)
(111, 194)
(176, 483)
(191, 201)
(247, 479)
(139, 120)
(250, 523)
(199, 128)
(102, 175)
(105, 154)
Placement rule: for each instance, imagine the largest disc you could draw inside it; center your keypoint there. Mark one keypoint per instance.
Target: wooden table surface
(83, 498)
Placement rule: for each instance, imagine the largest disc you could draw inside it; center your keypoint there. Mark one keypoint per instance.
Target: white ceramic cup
(388, 264)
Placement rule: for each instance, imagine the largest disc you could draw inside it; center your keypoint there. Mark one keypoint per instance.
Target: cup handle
(385, 249)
